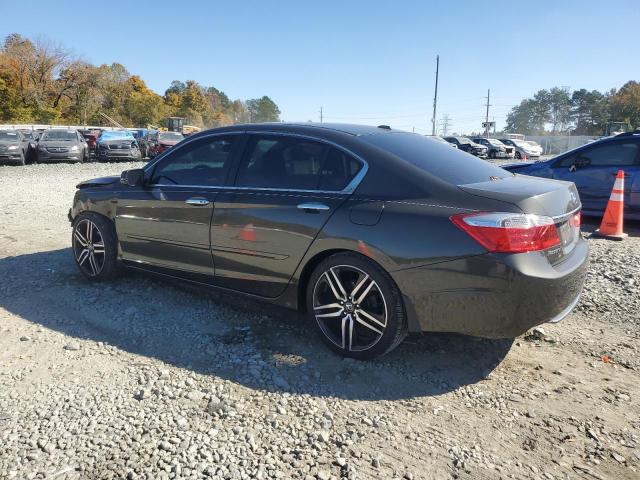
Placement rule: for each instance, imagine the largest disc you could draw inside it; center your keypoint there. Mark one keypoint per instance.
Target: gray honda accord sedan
(372, 232)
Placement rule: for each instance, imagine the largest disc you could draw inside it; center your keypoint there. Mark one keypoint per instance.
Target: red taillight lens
(509, 232)
(576, 220)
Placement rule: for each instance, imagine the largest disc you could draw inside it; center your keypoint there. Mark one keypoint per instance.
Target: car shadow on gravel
(228, 336)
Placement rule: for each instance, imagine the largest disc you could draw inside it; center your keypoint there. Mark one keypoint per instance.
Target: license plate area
(569, 233)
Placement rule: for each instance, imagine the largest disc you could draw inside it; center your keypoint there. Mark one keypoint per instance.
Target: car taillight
(509, 232)
(576, 220)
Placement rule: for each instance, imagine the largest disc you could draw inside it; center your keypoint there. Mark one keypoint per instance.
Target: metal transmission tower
(435, 98)
(487, 125)
(444, 124)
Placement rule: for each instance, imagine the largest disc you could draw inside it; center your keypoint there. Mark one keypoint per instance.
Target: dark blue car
(593, 168)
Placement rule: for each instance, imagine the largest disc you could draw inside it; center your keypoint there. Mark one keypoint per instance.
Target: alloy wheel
(88, 247)
(350, 308)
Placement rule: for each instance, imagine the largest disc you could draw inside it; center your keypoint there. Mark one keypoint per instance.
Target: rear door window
(619, 154)
(284, 162)
(448, 164)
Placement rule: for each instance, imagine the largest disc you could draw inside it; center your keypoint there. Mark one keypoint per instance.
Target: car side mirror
(133, 177)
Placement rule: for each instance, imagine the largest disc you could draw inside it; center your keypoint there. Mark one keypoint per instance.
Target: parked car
(143, 143)
(57, 145)
(91, 137)
(159, 141)
(31, 137)
(373, 232)
(523, 150)
(593, 168)
(117, 145)
(442, 140)
(495, 148)
(13, 147)
(469, 146)
(535, 147)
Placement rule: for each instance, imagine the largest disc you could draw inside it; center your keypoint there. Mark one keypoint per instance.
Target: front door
(594, 169)
(165, 224)
(286, 189)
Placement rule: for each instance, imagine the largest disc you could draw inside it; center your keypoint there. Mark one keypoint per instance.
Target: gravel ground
(143, 379)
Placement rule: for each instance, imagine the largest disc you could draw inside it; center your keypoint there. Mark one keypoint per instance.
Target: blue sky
(367, 62)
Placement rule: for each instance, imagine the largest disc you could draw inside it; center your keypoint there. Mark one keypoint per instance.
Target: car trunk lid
(539, 196)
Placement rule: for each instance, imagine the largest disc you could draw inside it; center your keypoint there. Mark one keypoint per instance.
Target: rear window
(449, 164)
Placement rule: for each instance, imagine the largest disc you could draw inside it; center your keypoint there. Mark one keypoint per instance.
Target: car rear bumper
(493, 296)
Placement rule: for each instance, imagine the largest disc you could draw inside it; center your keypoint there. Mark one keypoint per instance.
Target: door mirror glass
(133, 177)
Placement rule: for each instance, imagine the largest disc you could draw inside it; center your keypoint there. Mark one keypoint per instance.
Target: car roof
(307, 127)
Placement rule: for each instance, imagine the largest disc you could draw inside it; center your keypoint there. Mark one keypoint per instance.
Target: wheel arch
(314, 261)
(93, 212)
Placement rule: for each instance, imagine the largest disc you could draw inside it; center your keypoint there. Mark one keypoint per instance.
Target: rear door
(593, 169)
(165, 224)
(285, 190)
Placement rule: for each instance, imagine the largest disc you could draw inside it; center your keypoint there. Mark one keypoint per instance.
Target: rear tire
(356, 307)
(94, 245)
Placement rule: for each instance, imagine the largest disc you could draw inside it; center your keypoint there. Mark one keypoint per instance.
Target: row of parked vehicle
(503, 148)
(22, 146)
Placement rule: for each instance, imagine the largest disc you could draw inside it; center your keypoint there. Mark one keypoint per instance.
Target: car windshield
(449, 164)
(28, 135)
(116, 135)
(520, 143)
(495, 142)
(170, 136)
(463, 140)
(8, 136)
(63, 135)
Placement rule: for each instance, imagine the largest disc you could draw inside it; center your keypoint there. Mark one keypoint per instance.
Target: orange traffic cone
(612, 222)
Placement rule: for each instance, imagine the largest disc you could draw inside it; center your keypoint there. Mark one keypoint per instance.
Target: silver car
(57, 145)
(495, 148)
(523, 149)
(13, 147)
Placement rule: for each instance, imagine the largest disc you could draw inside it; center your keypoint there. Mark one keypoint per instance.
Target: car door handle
(198, 201)
(313, 207)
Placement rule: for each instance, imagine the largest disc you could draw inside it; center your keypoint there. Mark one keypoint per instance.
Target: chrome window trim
(349, 189)
(565, 216)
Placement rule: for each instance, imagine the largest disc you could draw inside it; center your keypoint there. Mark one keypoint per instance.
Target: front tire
(22, 161)
(356, 306)
(95, 247)
(518, 156)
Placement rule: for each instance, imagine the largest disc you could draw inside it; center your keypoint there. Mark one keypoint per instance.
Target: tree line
(42, 82)
(558, 111)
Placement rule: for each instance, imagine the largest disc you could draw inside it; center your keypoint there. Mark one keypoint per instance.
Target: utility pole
(435, 98)
(487, 117)
(446, 120)
(321, 117)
